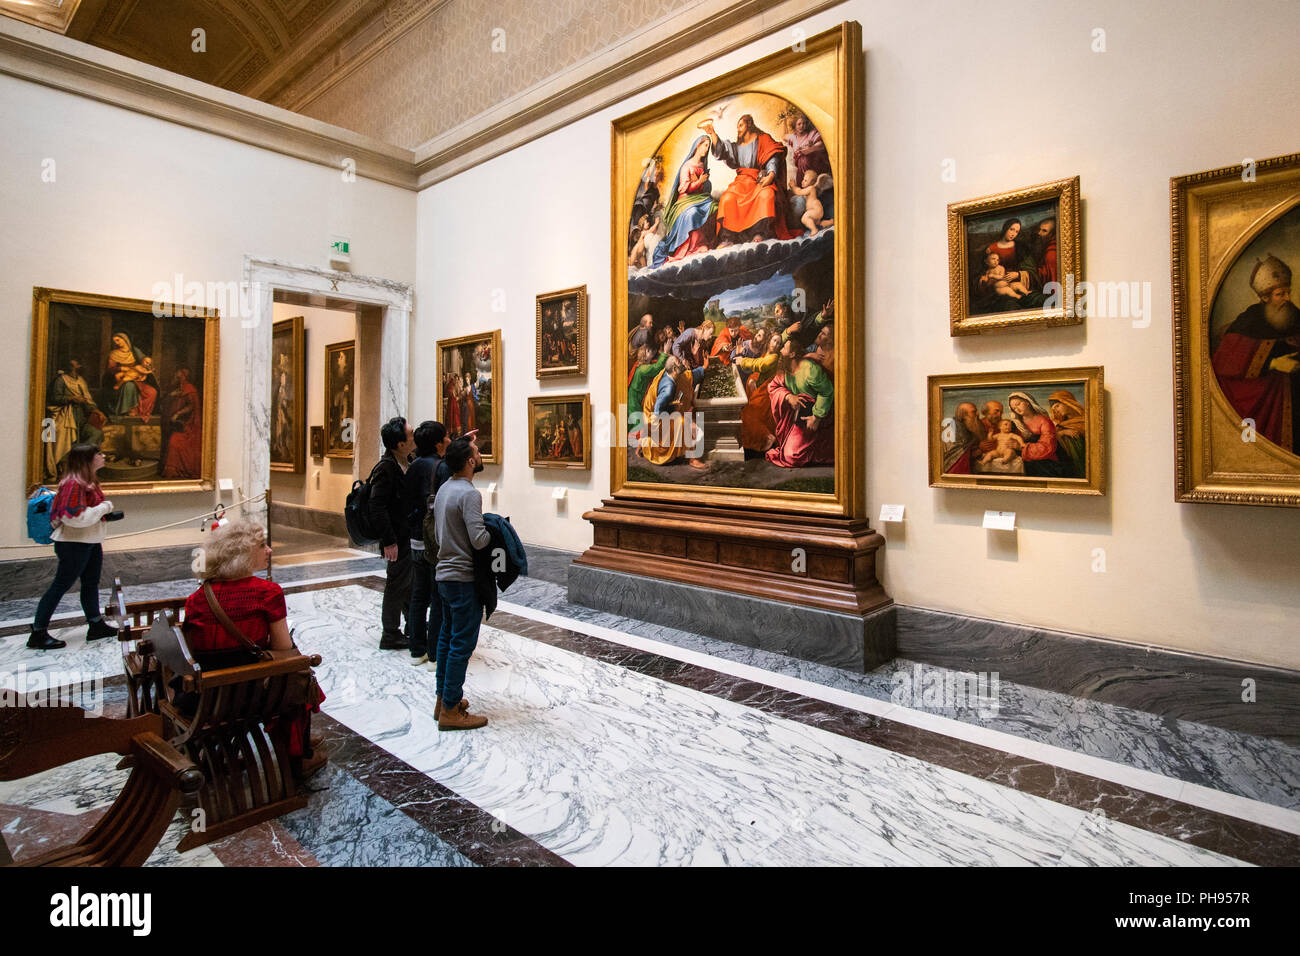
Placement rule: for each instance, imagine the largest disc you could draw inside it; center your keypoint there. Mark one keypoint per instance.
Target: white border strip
(1244, 808)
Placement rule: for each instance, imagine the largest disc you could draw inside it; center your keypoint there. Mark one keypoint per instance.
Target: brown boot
(437, 707)
(458, 718)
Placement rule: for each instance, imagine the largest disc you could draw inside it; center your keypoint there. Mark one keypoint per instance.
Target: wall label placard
(891, 513)
(1000, 520)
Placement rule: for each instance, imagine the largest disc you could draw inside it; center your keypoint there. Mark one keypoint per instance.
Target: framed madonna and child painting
(135, 377)
(736, 295)
(1236, 246)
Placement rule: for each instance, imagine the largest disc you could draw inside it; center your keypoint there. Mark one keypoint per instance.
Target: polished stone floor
(613, 742)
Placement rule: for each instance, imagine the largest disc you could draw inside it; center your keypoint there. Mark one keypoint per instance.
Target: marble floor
(617, 743)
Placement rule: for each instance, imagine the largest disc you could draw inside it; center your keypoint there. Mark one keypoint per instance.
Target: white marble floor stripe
(604, 765)
(1243, 808)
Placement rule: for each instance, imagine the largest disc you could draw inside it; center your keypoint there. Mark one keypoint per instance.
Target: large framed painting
(736, 289)
(1013, 260)
(1236, 244)
(138, 378)
(340, 398)
(288, 395)
(469, 399)
(562, 332)
(560, 426)
(1038, 430)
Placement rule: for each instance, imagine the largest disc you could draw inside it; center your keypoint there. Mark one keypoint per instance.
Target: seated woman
(234, 553)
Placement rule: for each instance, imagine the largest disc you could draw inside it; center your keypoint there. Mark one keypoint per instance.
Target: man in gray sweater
(458, 520)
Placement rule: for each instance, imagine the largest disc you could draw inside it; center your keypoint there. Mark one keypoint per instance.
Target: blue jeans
(76, 560)
(425, 613)
(462, 613)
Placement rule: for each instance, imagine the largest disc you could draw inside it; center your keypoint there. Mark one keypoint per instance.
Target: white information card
(1000, 520)
(891, 513)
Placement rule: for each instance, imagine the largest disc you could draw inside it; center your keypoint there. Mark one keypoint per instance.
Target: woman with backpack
(77, 516)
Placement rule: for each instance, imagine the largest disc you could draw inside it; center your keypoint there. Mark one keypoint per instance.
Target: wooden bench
(234, 730)
(33, 739)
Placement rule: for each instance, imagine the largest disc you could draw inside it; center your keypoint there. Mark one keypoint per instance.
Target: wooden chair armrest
(155, 754)
(246, 672)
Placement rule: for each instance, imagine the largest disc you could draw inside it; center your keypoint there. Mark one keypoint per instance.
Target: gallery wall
(137, 200)
(1158, 93)
(326, 482)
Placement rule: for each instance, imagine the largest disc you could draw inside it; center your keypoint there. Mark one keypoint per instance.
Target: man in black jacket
(423, 479)
(388, 517)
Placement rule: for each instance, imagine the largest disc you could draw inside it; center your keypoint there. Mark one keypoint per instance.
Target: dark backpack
(356, 513)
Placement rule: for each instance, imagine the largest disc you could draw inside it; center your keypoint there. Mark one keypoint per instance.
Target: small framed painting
(469, 398)
(562, 332)
(340, 398)
(1018, 431)
(288, 395)
(318, 441)
(1013, 260)
(560, 426)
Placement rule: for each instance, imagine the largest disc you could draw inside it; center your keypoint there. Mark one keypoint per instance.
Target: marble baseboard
(549, 564)
(309, 519)
(1170, 684)
(852, 642)
(29, 577)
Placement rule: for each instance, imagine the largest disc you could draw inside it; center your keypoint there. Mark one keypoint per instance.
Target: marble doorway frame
(262, 278)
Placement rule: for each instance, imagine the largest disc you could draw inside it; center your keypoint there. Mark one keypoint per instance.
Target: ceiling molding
(50, 14)
(39, 56)
(629, 66)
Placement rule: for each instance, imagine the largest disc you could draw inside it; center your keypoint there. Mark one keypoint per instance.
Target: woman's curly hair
(226, 556)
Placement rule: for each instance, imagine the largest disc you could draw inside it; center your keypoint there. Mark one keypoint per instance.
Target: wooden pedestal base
(821, 562)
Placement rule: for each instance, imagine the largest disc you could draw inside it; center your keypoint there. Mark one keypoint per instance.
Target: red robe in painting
(744, 203)
(183, 418)
(1241, 366)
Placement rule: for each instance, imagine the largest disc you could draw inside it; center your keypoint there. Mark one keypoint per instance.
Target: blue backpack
(38, 516)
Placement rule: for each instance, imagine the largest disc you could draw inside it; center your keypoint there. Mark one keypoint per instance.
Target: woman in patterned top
(77, 516)
(235, 552)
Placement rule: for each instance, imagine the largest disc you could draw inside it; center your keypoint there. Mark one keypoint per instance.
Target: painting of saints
(76, 417)
(803, 399)
(1257, 361)
(753, 206)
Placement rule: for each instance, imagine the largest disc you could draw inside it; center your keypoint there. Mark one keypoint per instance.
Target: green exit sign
(341, 246)
(340, 249)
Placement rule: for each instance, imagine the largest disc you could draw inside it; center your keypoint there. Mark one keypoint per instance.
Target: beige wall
(137, 200)
(1016, 99)
(326, 482)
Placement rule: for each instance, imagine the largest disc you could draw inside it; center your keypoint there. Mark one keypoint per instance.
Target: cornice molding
(39, 56)
(636, 63)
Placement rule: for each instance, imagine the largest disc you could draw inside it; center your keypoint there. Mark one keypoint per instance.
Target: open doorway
(324, 350)
(315, 396)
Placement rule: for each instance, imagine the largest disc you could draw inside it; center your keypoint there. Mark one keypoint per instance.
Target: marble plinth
(856, 642)
(309, 519)
(29, 577)
(1193, 687)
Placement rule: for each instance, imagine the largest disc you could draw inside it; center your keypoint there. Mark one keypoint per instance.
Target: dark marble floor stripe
(1210, 830)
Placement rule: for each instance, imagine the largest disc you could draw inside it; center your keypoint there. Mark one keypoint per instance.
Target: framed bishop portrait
(1236, 246)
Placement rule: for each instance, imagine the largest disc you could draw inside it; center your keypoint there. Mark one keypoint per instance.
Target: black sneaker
(41, 641)
(100, 629)
(399, 643)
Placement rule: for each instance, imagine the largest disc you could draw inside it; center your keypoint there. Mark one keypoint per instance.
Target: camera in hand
(114, 516)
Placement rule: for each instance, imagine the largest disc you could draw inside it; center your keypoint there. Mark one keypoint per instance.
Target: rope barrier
(162, 527)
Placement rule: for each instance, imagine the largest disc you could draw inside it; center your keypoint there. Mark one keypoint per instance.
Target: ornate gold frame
(494, 337)
(534, 401)
(580, 292)
(633, 135)
(1214, 215)
(1094, 484)
(298, 465)
(41, 300)
(961, 322)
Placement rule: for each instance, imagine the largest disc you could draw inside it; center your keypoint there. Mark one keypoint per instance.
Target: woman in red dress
(231, 558)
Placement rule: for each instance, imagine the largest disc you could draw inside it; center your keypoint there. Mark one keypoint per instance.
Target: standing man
(423, 479)
(458, 517)
(388, 518)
